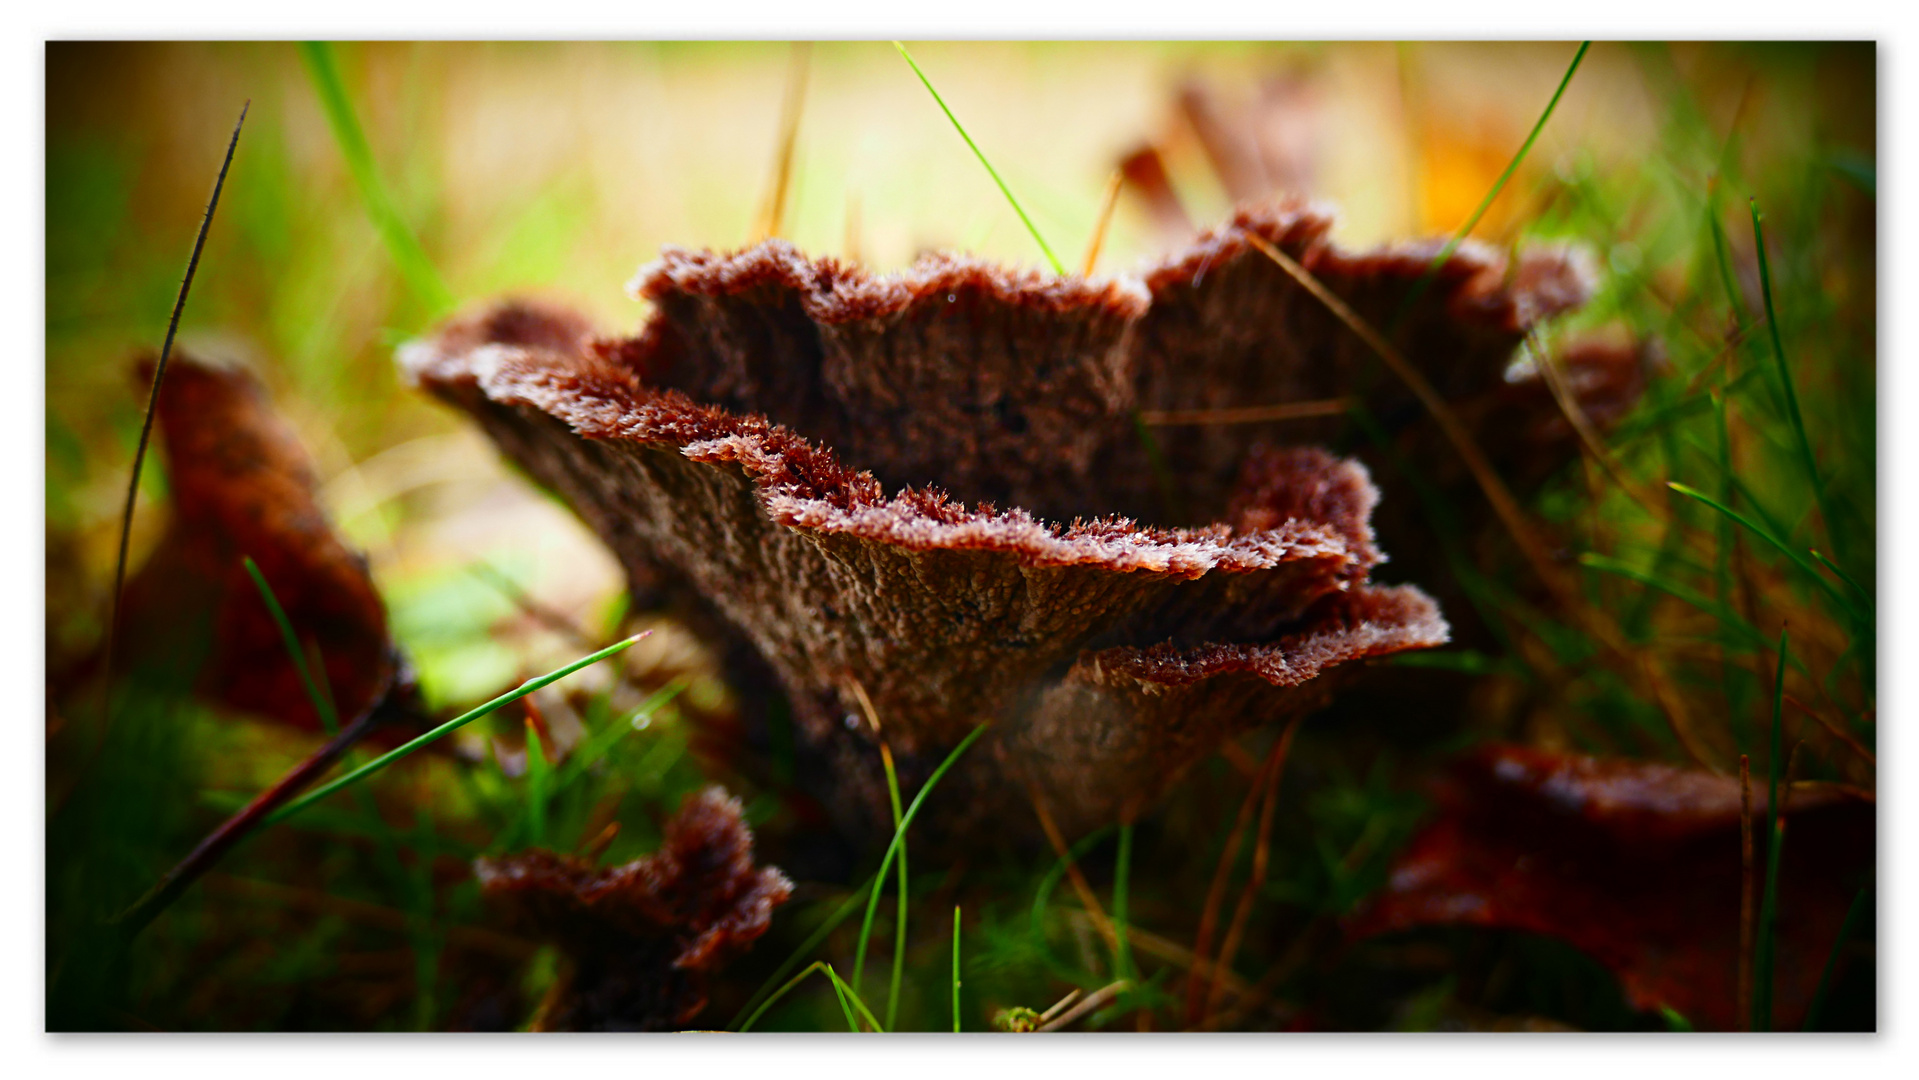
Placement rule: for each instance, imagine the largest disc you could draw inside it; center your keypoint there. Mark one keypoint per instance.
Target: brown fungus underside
(1109, 654)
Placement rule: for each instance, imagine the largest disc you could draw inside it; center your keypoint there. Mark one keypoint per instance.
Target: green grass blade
(1725, 264)
(747, 1025)
(899, 926)
(401, 244)
(752, 1009)
(848, 994)
(322, 703)
(839, 993)
(1727, 617)
(1675, 1020)
(1864, 596)
(602, 742)
(1767, 933)
(1043, 896)
(956, 978)
(1052, 259)
(1854, 914)
(1446, 253)
(1833, 532)
(445, 729)
(1122, 872)
(899, 837)
(1764, 534)
(537, 772)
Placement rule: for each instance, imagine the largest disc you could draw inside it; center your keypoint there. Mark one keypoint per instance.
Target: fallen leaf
(242, 487)
(1637, 865)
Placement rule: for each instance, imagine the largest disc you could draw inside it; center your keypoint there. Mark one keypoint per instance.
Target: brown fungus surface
(639, 939)
(932, 488)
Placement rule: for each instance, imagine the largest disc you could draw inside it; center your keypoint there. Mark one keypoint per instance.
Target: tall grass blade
(1854, 914)
(1767, 933)
(956, 962)
(537, 774)
(753, 1007)
(899, 838)
(1051, 259)
(747, 1024)
(1833, 531)
(448, 728)
(899, 925)
(322, 703)
(1122, 872)
(421, 277)
(1446, 253)
(850, 995)
(1765, 534)
(153, 403)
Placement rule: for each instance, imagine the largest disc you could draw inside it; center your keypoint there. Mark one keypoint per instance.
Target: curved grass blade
(448, 728)
(753, 1007)
(1051, 259)
(322, 703)
(1122, 872)
(1753, 527)
(1847, 928)
(1785, 382)
(816, 965)
(153, 402)
(956, 978)
(1044, 894)
(401, 244)
(899, 924)
(1446, 253)
(899, 838)
(1726, 616)
(847, 994)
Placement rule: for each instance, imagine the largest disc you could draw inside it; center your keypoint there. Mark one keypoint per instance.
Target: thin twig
(1504, 505)
(1582, 427)
(1222, 873)
(1261, 849)
(153, 404)
(1071, 996)
(1092, 1001)
(773, 217)
(1105, 221)
(1081, 887)
(1677, 716)
(1837, 732)
(217, 843)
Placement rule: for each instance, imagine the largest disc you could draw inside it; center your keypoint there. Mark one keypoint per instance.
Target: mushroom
(918, 503)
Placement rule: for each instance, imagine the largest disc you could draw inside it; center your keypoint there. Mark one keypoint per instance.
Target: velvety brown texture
(989, 564)
(1636, 864)
(241, 486)
(640, 938)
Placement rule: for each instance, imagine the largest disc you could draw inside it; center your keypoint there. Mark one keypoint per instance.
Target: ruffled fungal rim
(807, 487)
(1546, 280)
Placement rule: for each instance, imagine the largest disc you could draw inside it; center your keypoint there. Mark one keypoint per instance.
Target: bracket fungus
(937, 494)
